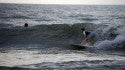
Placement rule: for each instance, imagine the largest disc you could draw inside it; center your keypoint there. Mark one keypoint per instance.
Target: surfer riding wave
(88, 37)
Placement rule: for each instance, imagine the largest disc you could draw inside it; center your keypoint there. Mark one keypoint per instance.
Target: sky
(102, 2)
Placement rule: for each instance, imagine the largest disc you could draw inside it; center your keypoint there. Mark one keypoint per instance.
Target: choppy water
(60, 14)
(52, 28)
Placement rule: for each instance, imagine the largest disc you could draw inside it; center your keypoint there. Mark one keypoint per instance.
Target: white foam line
(12, 59)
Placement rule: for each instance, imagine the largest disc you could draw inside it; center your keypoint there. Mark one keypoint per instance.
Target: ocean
(45, 44)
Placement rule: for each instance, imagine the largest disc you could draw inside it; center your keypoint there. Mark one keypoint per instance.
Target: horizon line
(60, 4)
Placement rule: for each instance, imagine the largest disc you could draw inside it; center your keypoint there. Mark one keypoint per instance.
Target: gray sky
(117, 2)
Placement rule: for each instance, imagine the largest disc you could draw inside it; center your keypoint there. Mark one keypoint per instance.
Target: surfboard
(77, 46)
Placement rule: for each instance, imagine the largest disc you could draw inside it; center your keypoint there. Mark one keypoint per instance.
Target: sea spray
(113, 37)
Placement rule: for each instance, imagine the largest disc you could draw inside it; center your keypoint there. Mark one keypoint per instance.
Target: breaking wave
(61, 35)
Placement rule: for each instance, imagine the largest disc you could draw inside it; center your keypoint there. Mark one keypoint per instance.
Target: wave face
(54, 35)
(62, 35)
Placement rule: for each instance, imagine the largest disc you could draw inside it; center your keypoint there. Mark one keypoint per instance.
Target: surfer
(26, 25)
(88, 36)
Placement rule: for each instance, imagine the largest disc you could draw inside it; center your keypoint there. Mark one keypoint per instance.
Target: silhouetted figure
(26, 25)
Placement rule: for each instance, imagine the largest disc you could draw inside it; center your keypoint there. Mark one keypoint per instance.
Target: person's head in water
(26, 25)
(82, 29)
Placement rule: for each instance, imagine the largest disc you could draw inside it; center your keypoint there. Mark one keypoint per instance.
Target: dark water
(45, 44)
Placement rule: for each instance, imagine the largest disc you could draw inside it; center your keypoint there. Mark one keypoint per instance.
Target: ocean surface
(45, 44)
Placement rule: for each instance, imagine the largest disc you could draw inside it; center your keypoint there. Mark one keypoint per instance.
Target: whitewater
(45, 44)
